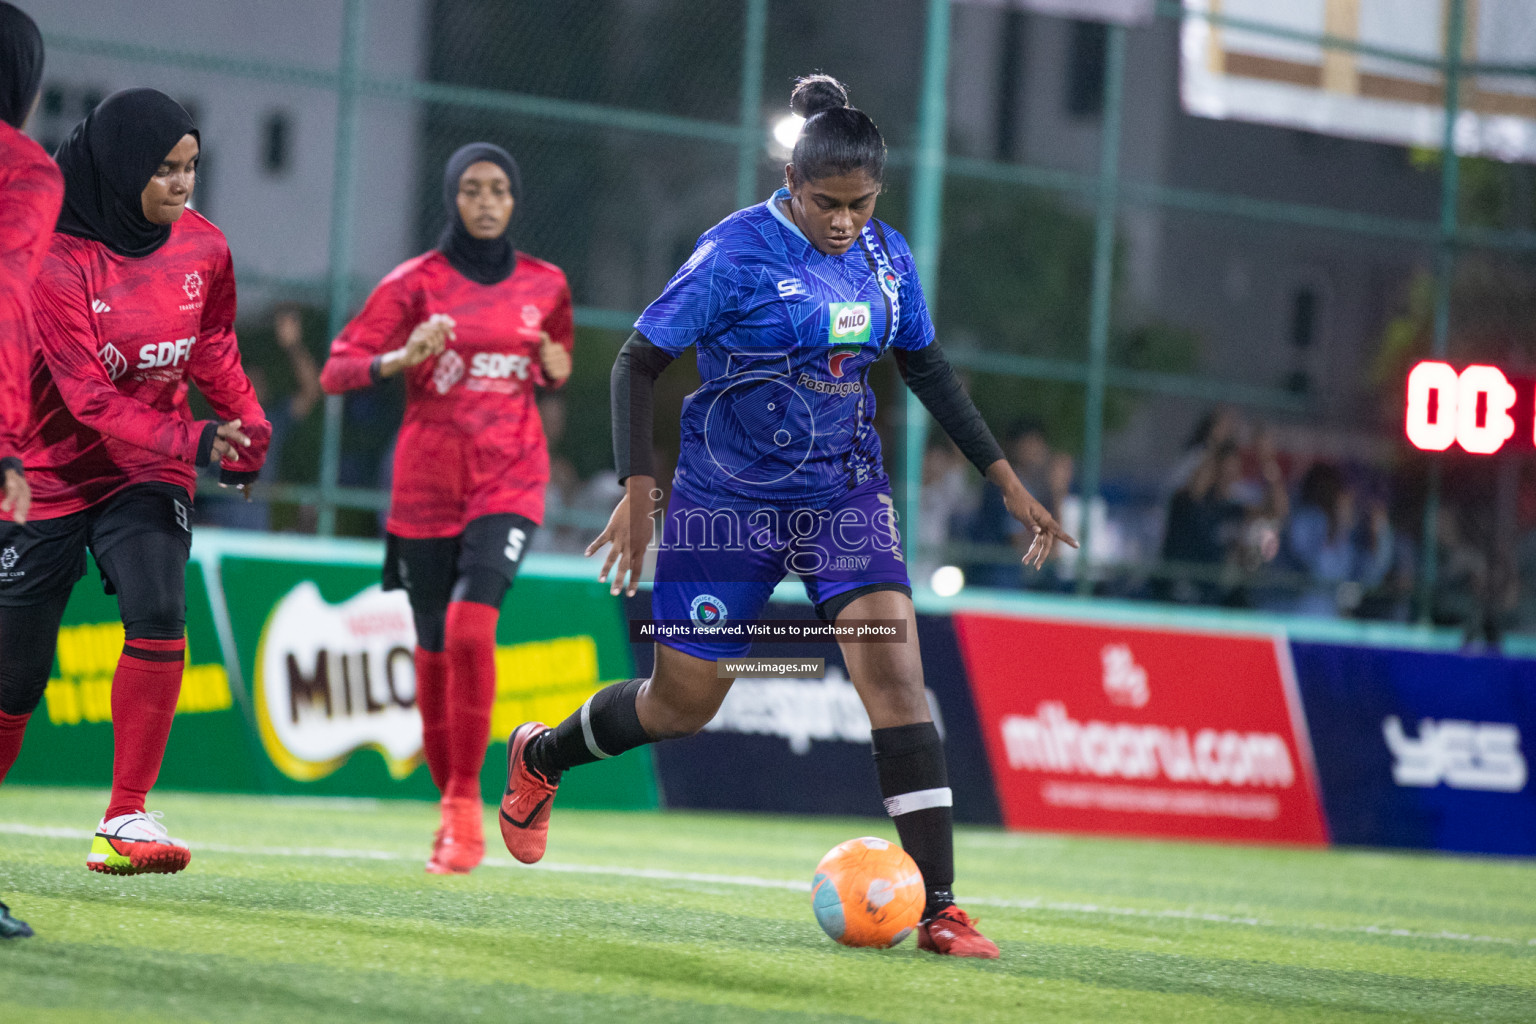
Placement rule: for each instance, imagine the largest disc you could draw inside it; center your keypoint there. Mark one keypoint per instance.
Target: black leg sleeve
(149, 574)
(931, 378)
(426, 568)
(28, 636)
(909, 760)
(605, 726)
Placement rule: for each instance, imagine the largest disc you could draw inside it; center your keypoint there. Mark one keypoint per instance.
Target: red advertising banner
(1135, 731)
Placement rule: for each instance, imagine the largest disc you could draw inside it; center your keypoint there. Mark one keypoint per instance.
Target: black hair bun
(816, 93)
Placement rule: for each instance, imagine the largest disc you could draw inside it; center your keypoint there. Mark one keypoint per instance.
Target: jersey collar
(778, 215)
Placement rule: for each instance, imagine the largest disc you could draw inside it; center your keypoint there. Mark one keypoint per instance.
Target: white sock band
(906, 803)
(586, 731)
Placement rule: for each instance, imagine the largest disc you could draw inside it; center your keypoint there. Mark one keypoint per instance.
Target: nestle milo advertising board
(69, 740)
(325, 655)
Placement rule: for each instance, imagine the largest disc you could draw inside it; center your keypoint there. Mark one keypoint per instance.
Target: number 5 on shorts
(514, 548)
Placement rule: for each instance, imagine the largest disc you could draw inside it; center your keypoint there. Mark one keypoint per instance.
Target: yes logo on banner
(1422, 748)
(1097, 728)
(1463, 755)
(331, 679)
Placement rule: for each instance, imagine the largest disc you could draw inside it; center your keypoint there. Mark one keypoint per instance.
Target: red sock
(11, 729)
(432, 701)
(144, 692)
(471, 650)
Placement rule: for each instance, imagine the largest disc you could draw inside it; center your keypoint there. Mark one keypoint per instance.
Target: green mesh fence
(639, 123)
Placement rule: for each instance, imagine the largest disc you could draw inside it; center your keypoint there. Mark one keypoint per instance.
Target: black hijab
(482, 260)
(108, 160)
(21, 64)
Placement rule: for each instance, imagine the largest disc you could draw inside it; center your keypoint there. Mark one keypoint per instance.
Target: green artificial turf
(318, 910)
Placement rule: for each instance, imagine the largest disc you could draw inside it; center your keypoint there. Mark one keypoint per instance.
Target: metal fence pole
(1103, 291)
(341, 245)
(1445, 268)
(753, 42)
(925, 236)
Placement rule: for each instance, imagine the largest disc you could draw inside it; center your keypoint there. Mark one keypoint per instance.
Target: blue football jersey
(786, 335)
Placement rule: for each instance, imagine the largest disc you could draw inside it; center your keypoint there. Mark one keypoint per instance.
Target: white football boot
(136, 844)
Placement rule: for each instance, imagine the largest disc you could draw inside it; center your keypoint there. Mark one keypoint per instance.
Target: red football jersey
(31, 192)
(120, 338)
(472, 443)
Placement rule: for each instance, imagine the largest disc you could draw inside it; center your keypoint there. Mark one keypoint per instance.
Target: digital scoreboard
(1478, 408)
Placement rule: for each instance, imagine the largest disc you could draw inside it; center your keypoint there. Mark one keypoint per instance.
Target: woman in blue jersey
(788, 304)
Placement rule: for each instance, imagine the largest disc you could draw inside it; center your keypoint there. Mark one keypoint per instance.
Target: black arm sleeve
(633, 384)
(933, 381)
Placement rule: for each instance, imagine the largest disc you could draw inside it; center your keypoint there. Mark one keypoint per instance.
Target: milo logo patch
(849, 323)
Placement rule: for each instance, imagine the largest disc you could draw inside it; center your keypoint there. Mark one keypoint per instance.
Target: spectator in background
(1460, 572)
(946, 500)
(1210, 526)
(1472, 593)
(1216, 427)
(1107, 542)
(1030, 455)
(1343, 556)
(285, 414)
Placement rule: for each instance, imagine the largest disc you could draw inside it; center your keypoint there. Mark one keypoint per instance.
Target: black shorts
(47, 556)
(477, 565)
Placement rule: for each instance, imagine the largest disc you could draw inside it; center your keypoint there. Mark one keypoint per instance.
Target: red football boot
(525, 805)
(459, 845)
(952, 932)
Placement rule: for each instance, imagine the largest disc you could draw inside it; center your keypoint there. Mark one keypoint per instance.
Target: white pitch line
(341, 853)
(757, 882)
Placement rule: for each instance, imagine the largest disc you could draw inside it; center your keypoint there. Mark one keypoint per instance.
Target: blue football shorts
(720, 565)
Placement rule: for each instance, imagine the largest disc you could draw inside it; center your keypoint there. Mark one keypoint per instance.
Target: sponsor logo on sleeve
(100, 307)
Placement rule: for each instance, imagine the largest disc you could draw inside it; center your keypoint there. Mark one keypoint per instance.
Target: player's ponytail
(836, 138)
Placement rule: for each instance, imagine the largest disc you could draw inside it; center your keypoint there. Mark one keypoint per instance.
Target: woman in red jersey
(30, 193)
(135, 299)
(475, 326)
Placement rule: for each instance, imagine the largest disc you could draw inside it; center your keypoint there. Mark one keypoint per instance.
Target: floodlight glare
(948, 580)
(786, 131)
